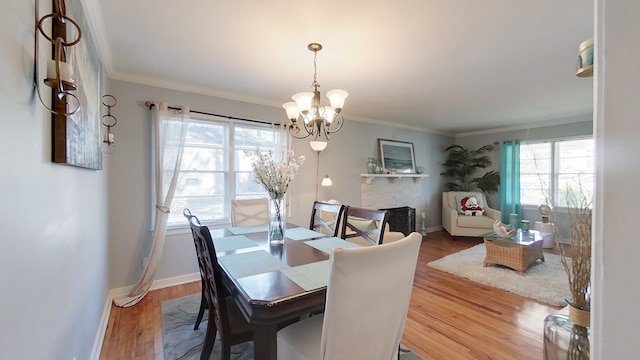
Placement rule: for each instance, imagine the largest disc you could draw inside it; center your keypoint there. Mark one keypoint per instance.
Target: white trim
(535, 124)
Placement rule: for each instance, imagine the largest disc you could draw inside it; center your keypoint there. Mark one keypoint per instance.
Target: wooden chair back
(326, 218)
(365, 223)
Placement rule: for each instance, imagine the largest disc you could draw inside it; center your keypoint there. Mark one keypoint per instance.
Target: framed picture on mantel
(397, 155)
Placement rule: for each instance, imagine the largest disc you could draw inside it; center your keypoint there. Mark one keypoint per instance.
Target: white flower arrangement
(274, 175)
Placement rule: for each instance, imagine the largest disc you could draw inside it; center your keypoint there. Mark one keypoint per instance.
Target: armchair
(457, 223)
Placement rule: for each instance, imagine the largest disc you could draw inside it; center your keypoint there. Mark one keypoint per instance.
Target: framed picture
(397, 155)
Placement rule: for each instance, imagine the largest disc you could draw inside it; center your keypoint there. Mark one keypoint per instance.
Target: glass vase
(277, 221)
(371, 165)
(567, 336)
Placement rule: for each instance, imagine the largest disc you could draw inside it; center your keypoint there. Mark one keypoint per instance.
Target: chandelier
(308, 117)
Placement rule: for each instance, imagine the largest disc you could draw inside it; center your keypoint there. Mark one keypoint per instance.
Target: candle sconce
(109, 121)
(59, 71)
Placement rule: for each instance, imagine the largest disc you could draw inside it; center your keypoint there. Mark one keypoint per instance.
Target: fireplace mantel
(393, 178)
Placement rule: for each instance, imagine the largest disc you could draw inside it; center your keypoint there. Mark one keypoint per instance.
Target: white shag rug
(545, 281)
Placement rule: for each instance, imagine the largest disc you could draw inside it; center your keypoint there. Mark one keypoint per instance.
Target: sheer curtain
(169, 131)
(510, 182)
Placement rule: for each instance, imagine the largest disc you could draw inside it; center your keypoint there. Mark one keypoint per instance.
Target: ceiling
(449, 66)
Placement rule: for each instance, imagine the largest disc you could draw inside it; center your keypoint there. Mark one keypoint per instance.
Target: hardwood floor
(449, 317)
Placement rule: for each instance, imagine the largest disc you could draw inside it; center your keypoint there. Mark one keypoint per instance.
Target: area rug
(182, 342)
(545, 281)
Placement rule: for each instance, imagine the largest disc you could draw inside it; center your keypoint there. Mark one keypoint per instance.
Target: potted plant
(461, 166)
(567, 337)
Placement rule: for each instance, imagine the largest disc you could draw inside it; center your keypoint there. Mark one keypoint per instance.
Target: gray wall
(54, 235)
(343, 159)
(576, 126)
(616, 247)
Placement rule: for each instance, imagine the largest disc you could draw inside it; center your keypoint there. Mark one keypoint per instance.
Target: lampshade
(326, 181)
(317, 145)
(291, 109)
(336, 98)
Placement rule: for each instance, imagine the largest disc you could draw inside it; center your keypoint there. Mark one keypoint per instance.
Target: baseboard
(434, 229)
(123, 291)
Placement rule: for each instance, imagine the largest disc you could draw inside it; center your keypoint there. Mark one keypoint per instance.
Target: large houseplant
(461, 166)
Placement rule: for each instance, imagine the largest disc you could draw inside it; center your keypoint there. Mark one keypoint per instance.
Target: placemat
(239, 230)
(328, 244)
(228, 243)
(301, 234)
(309, 276)
(251, 263)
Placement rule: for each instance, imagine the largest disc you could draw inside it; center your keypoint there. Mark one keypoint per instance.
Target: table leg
(265, 342)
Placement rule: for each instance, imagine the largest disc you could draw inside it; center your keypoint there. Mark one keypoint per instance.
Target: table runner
(309, 276)
(251, 263)
(328, 244)
(228, 243)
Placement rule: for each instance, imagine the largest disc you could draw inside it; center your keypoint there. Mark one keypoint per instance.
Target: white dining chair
(250, 212)
(366, 308)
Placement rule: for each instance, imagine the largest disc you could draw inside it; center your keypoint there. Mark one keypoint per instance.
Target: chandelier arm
(339, 121)
(294, 129)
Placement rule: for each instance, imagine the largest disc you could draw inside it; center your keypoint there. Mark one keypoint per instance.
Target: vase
(371, 165)
(567, 336)
(277, 221)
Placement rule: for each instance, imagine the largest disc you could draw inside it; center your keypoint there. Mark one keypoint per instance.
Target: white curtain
(169, 131)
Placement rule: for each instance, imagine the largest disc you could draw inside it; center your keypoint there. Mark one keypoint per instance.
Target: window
(216, 169)
(550, 170)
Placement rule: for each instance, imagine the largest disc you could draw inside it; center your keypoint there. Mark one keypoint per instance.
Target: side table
(549, 241)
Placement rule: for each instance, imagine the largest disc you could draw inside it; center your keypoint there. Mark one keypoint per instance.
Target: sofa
(461, 215)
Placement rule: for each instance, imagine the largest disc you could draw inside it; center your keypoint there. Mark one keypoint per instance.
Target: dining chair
(326, 217)
(250, 212)
(368, 295)
(203, 301)
(224, 317)
(363, 223)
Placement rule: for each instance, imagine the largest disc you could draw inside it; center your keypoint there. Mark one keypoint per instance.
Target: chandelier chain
(315, 83)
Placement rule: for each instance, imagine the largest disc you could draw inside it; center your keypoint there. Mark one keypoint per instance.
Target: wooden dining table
(260, 278)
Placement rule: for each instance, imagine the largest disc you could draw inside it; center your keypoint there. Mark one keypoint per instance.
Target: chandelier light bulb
(326, 181)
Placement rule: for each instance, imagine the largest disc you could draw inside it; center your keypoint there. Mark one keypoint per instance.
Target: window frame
(229, 171)
(554, 177)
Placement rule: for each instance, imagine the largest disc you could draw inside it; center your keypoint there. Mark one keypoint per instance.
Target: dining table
(274, 285)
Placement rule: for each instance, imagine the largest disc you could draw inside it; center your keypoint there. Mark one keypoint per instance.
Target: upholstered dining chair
(250, 212)
(368, 297)
(363, 223)
(326, 218)
(224, 317)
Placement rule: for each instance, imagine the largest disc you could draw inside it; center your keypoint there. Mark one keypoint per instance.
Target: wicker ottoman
(516, 253)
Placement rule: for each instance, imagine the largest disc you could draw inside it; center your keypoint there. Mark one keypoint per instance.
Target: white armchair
(457, 223)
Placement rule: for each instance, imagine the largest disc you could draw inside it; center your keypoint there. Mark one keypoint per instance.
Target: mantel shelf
(393, 178)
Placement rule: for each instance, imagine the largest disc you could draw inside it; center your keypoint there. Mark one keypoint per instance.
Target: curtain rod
(150, 104)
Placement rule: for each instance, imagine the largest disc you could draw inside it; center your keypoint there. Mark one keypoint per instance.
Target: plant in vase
(275, 176)
(578, 269)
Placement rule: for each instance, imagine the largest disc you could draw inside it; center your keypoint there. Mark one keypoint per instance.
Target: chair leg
(203, 305)
(225, 349)
(209, 339)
